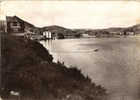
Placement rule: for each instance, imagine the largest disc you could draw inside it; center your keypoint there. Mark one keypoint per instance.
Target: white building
(47, 34)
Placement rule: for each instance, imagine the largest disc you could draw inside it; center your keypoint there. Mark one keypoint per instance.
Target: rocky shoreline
(28, 68)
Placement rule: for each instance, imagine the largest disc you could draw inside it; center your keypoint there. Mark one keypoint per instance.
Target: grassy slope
(27, 67)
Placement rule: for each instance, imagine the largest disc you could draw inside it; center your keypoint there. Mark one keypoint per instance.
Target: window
(14, 23)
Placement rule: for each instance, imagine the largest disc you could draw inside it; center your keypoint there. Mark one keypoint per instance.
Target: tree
(60, 36)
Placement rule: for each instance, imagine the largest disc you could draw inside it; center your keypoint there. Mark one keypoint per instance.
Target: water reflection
(116, 65)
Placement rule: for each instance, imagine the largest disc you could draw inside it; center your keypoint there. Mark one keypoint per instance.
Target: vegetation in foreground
(27, 68)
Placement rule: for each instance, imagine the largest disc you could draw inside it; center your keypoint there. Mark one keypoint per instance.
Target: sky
(74, 14)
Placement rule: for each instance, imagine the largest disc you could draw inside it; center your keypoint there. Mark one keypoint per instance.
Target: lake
(111, 62)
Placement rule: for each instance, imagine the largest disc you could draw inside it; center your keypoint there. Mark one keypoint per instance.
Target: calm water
(116, 64)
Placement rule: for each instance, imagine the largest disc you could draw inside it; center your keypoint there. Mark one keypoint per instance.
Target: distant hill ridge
(59, 29)
(68, 31)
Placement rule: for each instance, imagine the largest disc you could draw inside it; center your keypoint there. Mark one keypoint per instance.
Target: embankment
(28, 69)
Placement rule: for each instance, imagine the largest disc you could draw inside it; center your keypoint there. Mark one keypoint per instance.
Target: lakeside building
(117, 33)
(47, 34)
(87, 35)
(17, 26)
(14, 25)
(130, 33)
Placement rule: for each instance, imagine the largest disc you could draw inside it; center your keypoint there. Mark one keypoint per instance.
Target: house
(85, 35)
(17, 26)
(130, 33)
(14, 25)
(47, 34)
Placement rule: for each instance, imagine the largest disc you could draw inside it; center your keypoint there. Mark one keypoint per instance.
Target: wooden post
(123, 97)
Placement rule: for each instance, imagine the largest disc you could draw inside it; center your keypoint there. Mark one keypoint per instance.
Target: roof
(9, 18)
(12, 18)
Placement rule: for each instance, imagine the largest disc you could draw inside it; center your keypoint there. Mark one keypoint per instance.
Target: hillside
(27, 68)
(136, 28)
(58, 29)
(114, 30)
